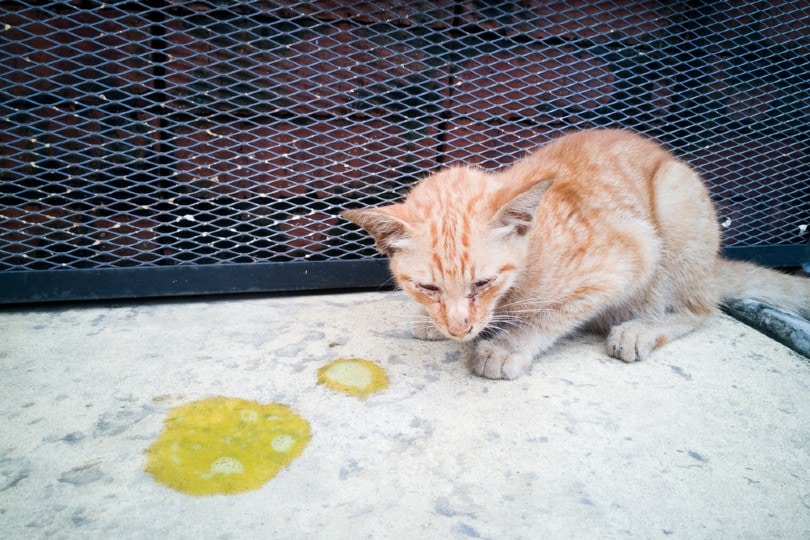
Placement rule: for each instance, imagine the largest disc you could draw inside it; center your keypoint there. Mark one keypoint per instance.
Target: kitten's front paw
(426, 331)
(632, 341)
(493, 361)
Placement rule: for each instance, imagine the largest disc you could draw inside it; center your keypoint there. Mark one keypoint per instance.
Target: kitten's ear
(388, 230)
(517, 215)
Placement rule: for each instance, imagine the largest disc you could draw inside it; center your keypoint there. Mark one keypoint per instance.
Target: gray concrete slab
(708, 439)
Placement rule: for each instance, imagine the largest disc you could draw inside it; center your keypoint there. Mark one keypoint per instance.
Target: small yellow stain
(353, 376)
(225, 445)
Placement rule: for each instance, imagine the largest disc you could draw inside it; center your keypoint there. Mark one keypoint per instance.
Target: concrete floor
(708, 439)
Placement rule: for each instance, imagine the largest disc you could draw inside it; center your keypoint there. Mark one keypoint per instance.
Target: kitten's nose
(460, 329)
(457, 318)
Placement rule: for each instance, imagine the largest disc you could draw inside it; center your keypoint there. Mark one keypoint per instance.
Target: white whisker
(523, 313)
(418, 319)
(531, 303)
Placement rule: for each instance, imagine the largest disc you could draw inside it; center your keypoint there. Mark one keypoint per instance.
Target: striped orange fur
(601, 229)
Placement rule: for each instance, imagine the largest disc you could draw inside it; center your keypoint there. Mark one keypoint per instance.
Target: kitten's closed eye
(482, 284)
(428, 288)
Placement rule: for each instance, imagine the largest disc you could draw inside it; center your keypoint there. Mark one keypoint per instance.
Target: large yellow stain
(225, 445)
(353, 376)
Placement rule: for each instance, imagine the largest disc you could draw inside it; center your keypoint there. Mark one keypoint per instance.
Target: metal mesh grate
(165, 133)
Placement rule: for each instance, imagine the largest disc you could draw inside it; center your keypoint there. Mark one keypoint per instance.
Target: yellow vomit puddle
(353, 376)
(225, 445)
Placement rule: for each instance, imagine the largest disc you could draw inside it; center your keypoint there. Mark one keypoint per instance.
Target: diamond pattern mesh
(163, 133)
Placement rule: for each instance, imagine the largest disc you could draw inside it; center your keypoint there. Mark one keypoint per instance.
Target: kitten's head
(457, 243)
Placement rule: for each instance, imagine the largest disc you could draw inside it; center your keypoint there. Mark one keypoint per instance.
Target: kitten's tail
(739, 280)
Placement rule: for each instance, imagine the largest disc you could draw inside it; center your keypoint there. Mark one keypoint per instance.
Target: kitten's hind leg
(634, 340)
(683, 293)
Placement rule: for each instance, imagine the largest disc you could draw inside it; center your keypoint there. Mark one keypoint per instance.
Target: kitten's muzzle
(462, 330)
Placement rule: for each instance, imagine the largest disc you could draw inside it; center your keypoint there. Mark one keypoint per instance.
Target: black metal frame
(114, 283)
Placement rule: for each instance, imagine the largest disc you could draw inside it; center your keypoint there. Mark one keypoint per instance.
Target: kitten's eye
(428, 288)
(482, 284)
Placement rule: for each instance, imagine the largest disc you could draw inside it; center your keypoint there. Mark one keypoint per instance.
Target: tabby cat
(600, 229)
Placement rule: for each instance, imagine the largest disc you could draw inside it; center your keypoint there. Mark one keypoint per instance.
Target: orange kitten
(601, 229)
